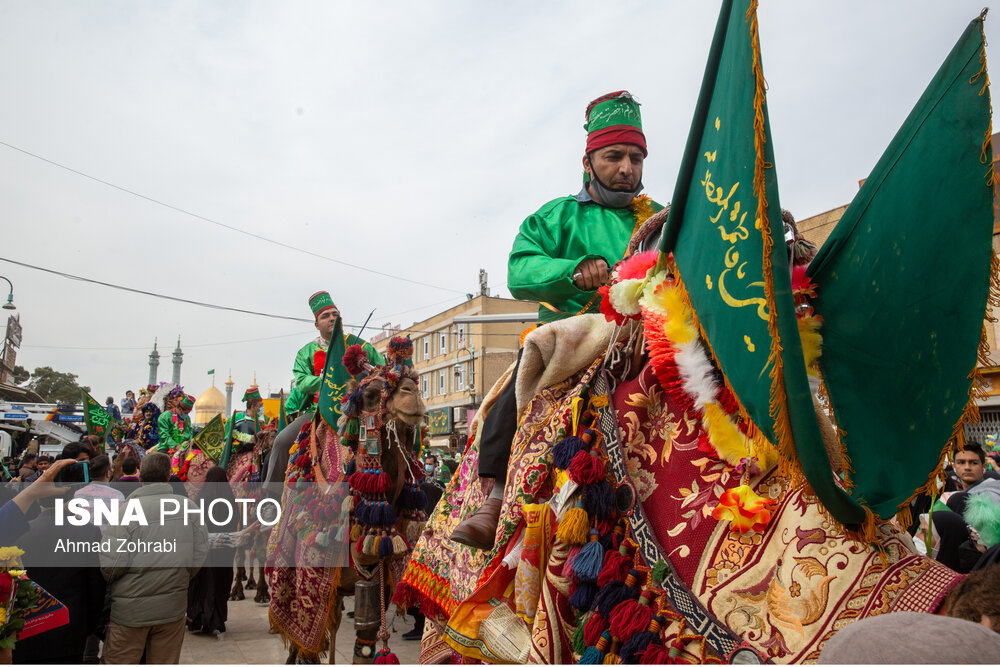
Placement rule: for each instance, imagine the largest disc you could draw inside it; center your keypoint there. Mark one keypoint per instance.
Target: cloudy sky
(409, 138)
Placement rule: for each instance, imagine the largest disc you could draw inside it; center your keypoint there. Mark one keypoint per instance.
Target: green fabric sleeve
(534, 269)
(305, 381)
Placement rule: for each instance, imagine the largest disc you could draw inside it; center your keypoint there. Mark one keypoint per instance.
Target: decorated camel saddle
(716, 468)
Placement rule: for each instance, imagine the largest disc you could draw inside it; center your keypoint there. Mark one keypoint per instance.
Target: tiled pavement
(247, 641)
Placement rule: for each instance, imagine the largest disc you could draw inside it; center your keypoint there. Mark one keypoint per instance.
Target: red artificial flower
(319, 362)
(6, 586)
(637, 266)
(745, 509)
(609, 312)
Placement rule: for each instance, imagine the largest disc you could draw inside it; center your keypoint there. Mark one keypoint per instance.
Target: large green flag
(98, 420)
(727, 237)
(212, 439)
(902, 286)
(335, 378)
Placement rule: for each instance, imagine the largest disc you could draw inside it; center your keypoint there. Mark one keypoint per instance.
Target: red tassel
(616, 566)
(386, 657)
(586, 468)
(629, 617)
(593, 629)
(655, 654)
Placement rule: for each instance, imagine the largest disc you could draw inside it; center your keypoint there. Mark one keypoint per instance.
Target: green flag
(902, 286)
(333, 387)
(227, 442)
(282, 417)
(211, 372)
(727, 238)
(98, 420)
(212, 439)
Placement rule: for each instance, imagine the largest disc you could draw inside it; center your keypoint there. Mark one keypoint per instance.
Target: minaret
(154, 363)
(229, 395)
(178, 357)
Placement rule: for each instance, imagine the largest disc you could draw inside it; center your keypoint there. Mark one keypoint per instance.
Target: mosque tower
(154, 363)
(178, 358)
(229, 395)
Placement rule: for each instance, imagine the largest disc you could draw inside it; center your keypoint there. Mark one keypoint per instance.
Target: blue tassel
(565, 450)
(631, 652)
(352, 467)
(583, 595)
(587, 564)
(386, 515)
(615, 592)
(599, 499)
(594, 655)
(385, 547)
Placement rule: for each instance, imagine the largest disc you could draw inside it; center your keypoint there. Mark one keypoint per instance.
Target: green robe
(554, 240)
(302, 396)
(170, 436)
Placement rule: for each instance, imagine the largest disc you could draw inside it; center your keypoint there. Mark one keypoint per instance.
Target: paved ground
(247, 641)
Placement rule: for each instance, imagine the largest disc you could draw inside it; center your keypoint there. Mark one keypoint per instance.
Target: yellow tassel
(611, 659)
(355, 532)
(574, 527)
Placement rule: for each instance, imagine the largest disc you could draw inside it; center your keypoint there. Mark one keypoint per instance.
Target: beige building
(459, 362)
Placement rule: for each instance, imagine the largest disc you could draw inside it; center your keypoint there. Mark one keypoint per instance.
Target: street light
(471, 384)
(10, 297)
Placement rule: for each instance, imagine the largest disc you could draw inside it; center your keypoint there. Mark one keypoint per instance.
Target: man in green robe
(243, 426)
(174, 425)
(310, 361)
(564, 251)
(562, 254)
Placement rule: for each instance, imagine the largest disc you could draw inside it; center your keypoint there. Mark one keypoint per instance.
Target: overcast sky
(408, 137)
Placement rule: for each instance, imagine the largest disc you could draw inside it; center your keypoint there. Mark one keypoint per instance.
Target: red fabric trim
(617, 134)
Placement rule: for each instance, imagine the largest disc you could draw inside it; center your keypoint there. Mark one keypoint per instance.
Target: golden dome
(210, 403)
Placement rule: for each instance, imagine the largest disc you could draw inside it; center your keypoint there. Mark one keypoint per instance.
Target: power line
(224, 225)
(191, 302)
(127, 348)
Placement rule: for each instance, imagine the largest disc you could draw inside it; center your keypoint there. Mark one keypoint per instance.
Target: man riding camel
(562, 254)
(174, 425)
(244, 425)
(307, 371)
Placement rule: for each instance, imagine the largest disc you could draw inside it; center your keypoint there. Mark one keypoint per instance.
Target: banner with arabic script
(98, 420)
(727, 238)
(333, 386)
(212, 439)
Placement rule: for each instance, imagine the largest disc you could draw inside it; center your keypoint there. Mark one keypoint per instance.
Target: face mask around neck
(612, 198)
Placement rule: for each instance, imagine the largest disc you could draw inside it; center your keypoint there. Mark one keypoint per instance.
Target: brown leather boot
(479, 531)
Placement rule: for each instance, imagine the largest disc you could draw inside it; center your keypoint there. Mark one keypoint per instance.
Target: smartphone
(76, 473)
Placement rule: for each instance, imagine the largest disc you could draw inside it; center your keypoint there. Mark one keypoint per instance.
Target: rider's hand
(590, 274)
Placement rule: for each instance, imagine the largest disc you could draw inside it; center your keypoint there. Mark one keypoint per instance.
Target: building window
(425, 387)
(442, 382)
(460, 335)
(427, 347)
(460, 377)
(443, 342)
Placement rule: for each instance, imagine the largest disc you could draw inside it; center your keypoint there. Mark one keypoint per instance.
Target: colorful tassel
(599, 499)
(660, 571)
(630, 616)
(586, 468)
(565, 450)
(633, 649)
(582, 594)
(616, 566)
(611, 658)
(579, 644)
(595, 654)
(617, 592)
(587, 564)
(656, 654)
(386, 657)
(573, 528)
(593, 628)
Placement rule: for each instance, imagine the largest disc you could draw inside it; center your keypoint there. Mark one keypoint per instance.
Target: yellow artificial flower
(3, 616)
(8, 554)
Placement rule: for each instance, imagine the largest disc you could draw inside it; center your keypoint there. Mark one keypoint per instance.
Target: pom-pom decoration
(356, 360)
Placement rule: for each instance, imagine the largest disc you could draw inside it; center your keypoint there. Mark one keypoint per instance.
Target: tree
(55, 387)
(20, 375)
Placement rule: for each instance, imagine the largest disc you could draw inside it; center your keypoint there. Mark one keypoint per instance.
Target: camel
(388, 405)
